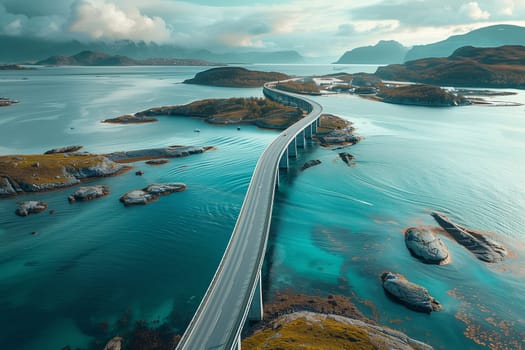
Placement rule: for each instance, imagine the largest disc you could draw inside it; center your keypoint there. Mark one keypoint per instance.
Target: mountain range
(394, 52)
(25, 49)
(90, 58)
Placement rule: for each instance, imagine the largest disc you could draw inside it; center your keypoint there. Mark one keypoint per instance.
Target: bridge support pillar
(314, 127)
(308, 132)
(318, 121)
(292, 149)
(283, 163)
(300, 140)
(256, 308)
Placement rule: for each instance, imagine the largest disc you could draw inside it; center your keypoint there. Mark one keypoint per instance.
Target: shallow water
(95, 262)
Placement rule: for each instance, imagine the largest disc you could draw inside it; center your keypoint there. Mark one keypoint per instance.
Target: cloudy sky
(312, 27)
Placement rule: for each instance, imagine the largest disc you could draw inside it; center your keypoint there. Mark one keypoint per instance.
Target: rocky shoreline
(59, 168)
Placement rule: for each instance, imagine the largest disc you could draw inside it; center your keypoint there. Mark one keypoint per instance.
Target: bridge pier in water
(292, 148)
(256, 308)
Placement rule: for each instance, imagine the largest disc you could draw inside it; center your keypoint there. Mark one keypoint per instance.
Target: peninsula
(497, 67)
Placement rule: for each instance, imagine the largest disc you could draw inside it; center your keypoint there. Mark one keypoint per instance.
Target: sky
(312, 27)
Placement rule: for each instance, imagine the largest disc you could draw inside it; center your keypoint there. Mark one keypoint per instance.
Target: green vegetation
(259, 111)
(502, 67)
(301, 334)
(299, 87)
(420, 94)
(44, 169)
(235, 77)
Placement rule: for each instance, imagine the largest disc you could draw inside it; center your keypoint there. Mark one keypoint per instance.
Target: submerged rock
(151, 193)
(309, 330)
(409, 294)
(157, 161)
(114, 344)
(425, 246)
(310, 164)
(88, 193)
(478, 244)
(30, 207)
(346, 157)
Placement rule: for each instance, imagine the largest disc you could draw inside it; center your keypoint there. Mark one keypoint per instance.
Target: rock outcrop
(409, 294)
(67, 149)
(310, 164)
(157, 161)
(308, 330)
(346, 157)
(425, 246)
(88, 193)
(151, 193)
(30, 207)
(130, 119)
(114, 343)
(164, 152)
(477, 243)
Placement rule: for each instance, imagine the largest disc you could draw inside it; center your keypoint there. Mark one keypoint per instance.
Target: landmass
(14, 67)
(130, 119)
(258, 111)
(21, 174)
(385, 51)
(91, 58)
(235, 77)
(497, 67)
(334, 130)
(4, 102)
(420, 95)
(305, 86)
(308, 330)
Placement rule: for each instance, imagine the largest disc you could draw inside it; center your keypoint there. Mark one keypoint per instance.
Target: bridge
(235, 294)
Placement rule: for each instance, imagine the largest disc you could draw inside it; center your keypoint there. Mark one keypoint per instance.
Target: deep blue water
(95, 262)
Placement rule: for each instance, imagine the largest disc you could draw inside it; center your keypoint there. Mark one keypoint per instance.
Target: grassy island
(303, 86)
(259, 111)
(235, 77)
(421, 95)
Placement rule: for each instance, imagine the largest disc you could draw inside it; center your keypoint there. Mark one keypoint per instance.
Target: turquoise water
(335, 228)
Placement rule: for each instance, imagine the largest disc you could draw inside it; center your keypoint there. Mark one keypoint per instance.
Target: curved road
(219, 320)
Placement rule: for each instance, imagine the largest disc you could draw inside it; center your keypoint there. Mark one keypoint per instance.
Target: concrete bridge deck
(235, 294)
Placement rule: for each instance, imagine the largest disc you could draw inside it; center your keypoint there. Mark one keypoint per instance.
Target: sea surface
(96, 267)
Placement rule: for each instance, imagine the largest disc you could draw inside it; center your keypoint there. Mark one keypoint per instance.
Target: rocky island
(130, 119)
(476, 242)
(14, 67)
(498, 67)
(425, 246)
(37, 173)
(150, 193)
(305, 86)
(87, 193)
(409, 294)
(258, 111)
(30, 207)
(235, 77)
(421, 95)
(4, 102)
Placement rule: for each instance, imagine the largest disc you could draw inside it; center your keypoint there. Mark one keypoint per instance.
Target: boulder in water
(425, 246)
(409, 294)
(476, 242)
(87, 193)
(30, 207)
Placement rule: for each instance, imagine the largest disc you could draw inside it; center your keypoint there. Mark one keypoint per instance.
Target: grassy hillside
(500, 67)
(235, 77)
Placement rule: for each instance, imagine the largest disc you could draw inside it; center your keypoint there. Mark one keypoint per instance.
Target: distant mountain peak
(385, 51)
(491, 36)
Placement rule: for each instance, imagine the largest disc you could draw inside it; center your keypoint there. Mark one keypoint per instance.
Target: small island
(235, 77)
(4, 102)
(257, 111)
(420, 95)
(130, 119)
(305, 86)
(14, 67)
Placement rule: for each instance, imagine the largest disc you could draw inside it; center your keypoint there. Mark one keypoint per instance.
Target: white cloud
(99, 19)
(473, 11)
